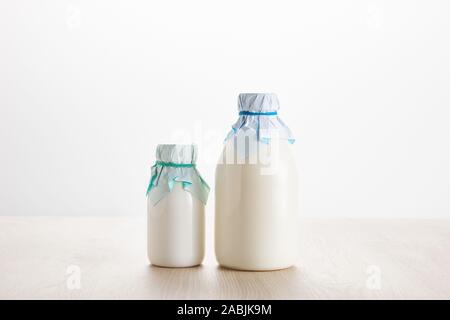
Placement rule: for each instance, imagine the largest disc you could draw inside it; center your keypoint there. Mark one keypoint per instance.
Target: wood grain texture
(412, 257)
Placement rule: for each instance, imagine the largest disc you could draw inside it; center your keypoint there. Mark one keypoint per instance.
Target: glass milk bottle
(256, 224)
(177, 196)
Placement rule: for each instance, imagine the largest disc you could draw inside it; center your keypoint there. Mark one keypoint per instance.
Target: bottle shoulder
(262, 154)
(278, 169)
(177, 198)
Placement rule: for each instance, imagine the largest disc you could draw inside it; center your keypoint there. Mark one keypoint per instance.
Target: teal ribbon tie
(249, 113)
(175, 165)
(166, 174)
(261, 123)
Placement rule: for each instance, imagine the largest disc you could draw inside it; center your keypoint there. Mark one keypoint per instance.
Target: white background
(88, 88)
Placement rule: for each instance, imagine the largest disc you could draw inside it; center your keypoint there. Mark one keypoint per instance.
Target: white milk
(256, 221)
(176, 236)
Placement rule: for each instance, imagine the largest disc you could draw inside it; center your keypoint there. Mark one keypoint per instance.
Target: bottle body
(176, 230)
(256, 218)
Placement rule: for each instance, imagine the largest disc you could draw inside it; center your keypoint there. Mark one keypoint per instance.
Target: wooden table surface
(105, 258)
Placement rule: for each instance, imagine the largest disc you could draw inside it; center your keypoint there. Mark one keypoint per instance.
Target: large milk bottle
(256, 224)
(177, 196)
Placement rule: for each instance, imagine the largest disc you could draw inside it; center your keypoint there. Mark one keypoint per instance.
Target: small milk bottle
(177, 195)
(256, 218)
